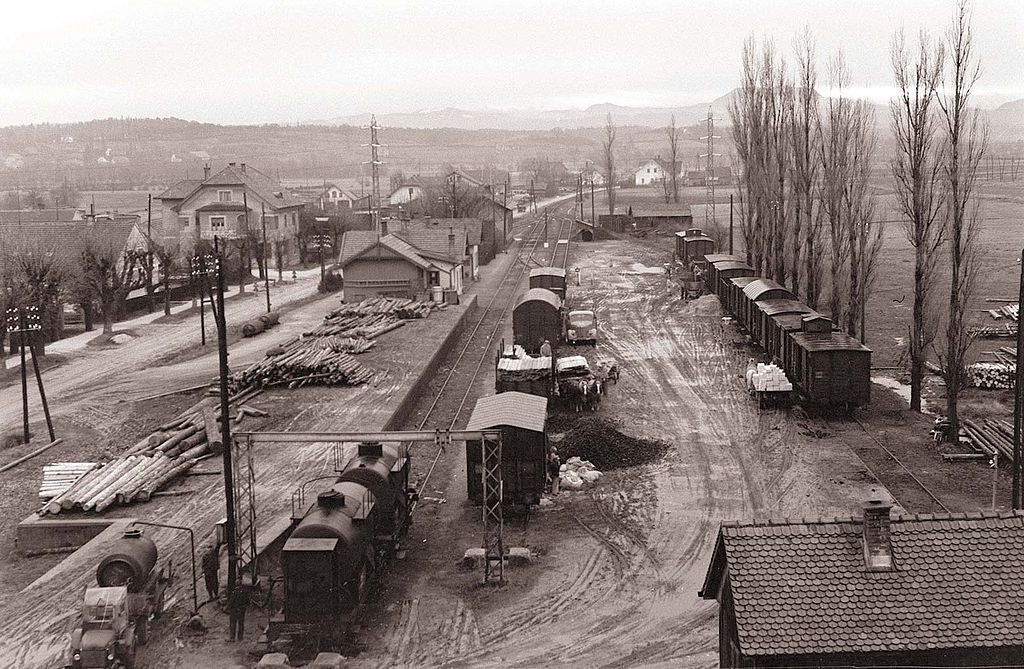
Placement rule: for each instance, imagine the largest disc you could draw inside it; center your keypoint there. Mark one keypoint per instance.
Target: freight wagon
(724, 270)
(552, 278)
(693, 245)
(833, 368)
(732, 294)
(710, 277)
(762, 289)
(522, 419)
(537, 316)
(534, 376)
(777, 318)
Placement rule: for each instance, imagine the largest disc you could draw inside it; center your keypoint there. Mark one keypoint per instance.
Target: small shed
(692, 245)
(537, 316)
(552, 278)
(762, 289)
(522, 419)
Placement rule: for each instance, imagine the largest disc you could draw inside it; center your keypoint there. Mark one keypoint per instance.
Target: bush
(331, 283)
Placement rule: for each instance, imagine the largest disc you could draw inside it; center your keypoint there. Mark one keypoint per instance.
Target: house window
(410, 193)
(183, 221)
(217, 222)
(224, 196)
(434, 278)
(271, 221)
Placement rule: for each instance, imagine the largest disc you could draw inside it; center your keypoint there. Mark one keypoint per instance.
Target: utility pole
(504, 212)
(709, 179)
(375, 163)
(149, 254)
(225, 419)
(266, 267)
(1018, 403)
(533, 197)
(593, 218)
(25, 322)
(243, 263)
(201, 267)
(730, 223)
(321, 240)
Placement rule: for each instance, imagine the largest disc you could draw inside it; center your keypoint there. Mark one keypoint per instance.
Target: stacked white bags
(575, 473)
(767, 378)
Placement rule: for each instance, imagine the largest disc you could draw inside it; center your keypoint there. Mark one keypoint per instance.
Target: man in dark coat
(238, 602)
(211, 570)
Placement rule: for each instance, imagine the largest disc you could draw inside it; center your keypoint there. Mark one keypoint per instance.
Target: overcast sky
(251, 61)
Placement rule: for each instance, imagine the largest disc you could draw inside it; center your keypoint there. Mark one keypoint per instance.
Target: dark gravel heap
(599, 441)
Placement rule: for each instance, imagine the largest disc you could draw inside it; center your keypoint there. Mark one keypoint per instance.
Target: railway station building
(390, 266)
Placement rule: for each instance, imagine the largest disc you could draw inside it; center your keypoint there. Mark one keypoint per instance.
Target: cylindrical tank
(128, 563)
(372, 471)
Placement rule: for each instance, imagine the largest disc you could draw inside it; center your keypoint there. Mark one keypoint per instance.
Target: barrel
(128, 562)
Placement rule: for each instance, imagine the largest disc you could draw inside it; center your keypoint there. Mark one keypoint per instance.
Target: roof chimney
(243, 168)
(877, 536)
(451, 242)
(231, 164)
(206, 171)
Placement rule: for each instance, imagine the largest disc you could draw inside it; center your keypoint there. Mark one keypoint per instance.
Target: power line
(710, 220)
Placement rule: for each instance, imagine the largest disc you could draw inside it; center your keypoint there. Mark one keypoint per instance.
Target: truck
(580, 326)
(115, 619)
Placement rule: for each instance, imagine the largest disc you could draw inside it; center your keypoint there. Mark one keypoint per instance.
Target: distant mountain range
(1006, 121)
(535, 119)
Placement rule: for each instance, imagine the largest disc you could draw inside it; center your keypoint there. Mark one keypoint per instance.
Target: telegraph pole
(149, 255)
(1018, 396)
(266, 267)
(24, 322)
(375, 163)
(730, 223)
(593, 218)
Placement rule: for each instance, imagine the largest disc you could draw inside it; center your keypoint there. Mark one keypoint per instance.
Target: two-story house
(228, 205)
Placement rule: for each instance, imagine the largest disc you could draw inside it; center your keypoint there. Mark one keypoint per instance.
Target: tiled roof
(223, 206)
(355, 243)
(434, 242)
(268, 189)
(67, 239)
(36, 215)
(179, 190)
(802, 586)
(471, 226)
(512, 409)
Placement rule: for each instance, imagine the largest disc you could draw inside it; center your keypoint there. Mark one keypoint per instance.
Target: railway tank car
(338, 551)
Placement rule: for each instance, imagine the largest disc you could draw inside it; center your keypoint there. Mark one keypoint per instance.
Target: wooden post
(1018, 404)
(266, 267)
(24, 376)
(42, 394)
(730, 224)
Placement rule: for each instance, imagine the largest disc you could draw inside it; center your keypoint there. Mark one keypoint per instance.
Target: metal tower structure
(710, 220)
(494, 549)
(244, 476)
(375, 163)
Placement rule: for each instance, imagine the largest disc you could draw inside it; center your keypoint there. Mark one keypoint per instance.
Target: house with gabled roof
(405, 264)
(874, 590)
(469, 229)
(228, 204)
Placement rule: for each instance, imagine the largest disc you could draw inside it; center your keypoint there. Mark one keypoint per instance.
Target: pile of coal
(598, 441)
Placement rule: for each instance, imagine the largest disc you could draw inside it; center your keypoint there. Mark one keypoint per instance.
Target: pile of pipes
(257, 325)
(992, 375)
(59, 476)
(300, 362)
(990, 436)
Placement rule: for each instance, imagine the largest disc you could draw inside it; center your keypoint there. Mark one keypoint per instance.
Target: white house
(654, 172)
(409, 190)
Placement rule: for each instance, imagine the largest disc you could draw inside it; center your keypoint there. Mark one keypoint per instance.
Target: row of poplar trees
(809, 212)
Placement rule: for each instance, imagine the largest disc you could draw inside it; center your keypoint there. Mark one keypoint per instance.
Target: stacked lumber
(300, 362)
(990, 437)
(397, 307)
(367, 326)
(1007, 330)
(1011, 311)
(59, 476)
(993, 375)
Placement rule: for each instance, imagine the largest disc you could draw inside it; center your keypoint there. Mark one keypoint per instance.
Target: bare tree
(672, 182)
(864, 230)
(965, 139)
(917, 173)
(748, 138)
(608, 144)
(109, 273)
(806, 229)
(168, 255)
(38, 274)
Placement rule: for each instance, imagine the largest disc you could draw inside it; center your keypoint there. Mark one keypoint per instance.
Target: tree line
(808, 213)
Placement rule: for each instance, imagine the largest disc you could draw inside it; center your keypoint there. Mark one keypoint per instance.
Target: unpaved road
(619, 566)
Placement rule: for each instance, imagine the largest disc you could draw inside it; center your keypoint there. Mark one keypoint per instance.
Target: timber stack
(255, 326)
(991, 437)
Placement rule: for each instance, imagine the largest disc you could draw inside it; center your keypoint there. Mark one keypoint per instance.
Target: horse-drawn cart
(577, 386)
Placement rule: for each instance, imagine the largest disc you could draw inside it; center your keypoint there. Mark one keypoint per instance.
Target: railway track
(465, 370)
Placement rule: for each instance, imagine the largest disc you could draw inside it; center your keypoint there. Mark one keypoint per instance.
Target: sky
(259, 61)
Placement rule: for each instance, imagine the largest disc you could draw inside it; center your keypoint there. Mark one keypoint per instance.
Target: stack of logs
(992, 375)
(323, 356)
(257, 325)
(990, 436)
(59, 476)
(170, 451)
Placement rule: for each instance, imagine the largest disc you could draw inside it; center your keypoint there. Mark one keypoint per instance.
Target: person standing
(545, 349)
(554, 469)
(211, 571)
(238, 602)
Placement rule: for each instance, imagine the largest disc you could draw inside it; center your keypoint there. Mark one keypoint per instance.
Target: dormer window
(224, 196)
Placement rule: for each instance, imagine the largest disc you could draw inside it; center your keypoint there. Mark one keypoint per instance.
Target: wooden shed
(762, 289)
(537, 316)
(693, 245)
(522, 419)
(733, 299)
(552, 278)
(829, 368)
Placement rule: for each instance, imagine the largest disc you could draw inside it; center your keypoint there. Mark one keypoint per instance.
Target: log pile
(1011, 311)
(992, 375)
(255, 326)
(170, 451)
(397, 307)
(59, 476)
(990, 436)
(300, 362)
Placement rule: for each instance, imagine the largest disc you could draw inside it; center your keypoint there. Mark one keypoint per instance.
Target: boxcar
(762, 289)
(729, 269)
(552, 278)
(522, 419)
(693, 245)
(710, 276)
(777, 318)
(734, 294)
(537, 316)
(832, 369)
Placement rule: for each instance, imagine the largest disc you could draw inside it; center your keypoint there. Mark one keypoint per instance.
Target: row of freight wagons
(538, 314)
(829, 367)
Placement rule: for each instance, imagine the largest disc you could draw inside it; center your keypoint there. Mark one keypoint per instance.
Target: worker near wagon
(211, 571)
(554, 469)
(238, 602)
(545, 349)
